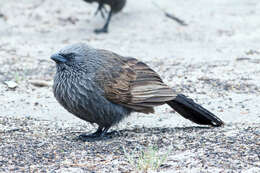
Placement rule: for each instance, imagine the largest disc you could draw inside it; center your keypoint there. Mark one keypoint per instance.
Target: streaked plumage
(102, 87)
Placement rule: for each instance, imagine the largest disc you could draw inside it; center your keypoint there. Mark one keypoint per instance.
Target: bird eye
(70, 56)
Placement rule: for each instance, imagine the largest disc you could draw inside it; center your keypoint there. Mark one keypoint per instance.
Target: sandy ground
(214, 60)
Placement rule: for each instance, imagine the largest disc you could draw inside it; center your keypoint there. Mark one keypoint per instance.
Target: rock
(40, 83)
(11, 84)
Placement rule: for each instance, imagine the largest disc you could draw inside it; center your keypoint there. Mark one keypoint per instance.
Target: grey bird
(102, 87)
(115, 7)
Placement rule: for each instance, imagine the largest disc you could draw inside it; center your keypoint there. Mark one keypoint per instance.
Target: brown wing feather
(132, 83)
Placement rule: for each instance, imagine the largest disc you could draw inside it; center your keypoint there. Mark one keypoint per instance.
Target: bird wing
(133, 84)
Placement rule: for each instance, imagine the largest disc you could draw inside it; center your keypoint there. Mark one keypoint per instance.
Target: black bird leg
(101, 132)
(102, 9)
(105, 28)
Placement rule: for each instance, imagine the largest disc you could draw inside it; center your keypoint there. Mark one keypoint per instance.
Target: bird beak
(58, 58)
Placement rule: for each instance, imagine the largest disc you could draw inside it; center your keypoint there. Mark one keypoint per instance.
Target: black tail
(194, 112)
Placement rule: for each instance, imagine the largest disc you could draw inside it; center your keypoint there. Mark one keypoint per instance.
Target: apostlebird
(115, 7)
(102, 87)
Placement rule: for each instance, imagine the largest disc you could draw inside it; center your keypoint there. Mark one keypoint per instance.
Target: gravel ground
(33, 145)
(214, 60)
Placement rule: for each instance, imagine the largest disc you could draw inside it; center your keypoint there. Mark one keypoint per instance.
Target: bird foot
(102, 30)
(89, 138)
(97, 137)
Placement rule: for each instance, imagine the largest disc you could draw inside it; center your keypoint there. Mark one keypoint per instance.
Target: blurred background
(214, 59)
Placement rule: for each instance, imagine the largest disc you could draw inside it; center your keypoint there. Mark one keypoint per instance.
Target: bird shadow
(126, 133)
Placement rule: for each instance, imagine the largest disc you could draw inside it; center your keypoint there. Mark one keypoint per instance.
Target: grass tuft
(148, 159)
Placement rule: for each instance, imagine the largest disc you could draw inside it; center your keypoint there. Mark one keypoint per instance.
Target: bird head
(70, 56)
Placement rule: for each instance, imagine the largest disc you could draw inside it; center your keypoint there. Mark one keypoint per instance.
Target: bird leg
(102, 9)
(101, 132)
(105, 28)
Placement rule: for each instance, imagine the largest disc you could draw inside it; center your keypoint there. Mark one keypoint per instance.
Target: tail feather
(194, 112)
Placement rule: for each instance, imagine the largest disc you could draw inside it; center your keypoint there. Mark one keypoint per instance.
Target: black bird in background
(115, 7)
(103, 87)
